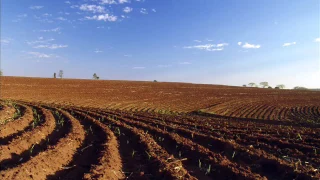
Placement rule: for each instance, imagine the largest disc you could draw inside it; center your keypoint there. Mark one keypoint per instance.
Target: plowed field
(83, 129)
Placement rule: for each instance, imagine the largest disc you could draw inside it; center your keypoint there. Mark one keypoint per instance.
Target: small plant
(234, 153)
(133, 152)
(148, 155)
(200, 164)
(31, 149)
(208, 170)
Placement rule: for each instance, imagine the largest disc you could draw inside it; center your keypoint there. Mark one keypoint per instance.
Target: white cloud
(127, 55)
(209, 40)
(40, 40)
(67, 2)
(185, 63)
(154, 10)
(51, 46)
(289, 44)
(92, 8)
(208, 47)
(139, 67)
(124, 1)
(36, 7)
(197, 41)
(251, 46)
(222, 44)
(61, 19)
(103, 17)
(51, 30)
(317, 40)
(108, 2)
(143, 11)
(74, 6)
(98, 51)
(239, 43)
(127, 9)
(5, 41)
(40, 55)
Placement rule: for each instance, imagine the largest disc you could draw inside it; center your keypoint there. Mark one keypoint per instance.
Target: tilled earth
(64, 138)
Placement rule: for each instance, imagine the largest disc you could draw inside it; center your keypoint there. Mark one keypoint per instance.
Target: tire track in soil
(40, 166)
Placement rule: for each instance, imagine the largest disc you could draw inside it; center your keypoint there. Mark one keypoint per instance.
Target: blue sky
(230, 42)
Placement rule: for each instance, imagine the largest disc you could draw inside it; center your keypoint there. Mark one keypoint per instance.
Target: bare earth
(145, 130)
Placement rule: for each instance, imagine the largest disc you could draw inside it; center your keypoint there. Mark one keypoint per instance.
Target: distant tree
(264, 84)
(252, 84)
(1, 73)
(281, 86)
(95, 76)
(277, 87)
(155, 81)
(300, 88)
(54, 75)
(270, 87)
(244, 85)
(60, 74)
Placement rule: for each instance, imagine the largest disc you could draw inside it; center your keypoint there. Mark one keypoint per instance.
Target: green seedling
(31, 149)
(200, 164)
(133, 152)
(208, 170)
(148, 155)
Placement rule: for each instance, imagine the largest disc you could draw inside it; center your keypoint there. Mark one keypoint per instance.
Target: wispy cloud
(251, 46)
(127, 9)
(5, 41)
(143, 11)
(98, 51)
(40, 40)
(35, 7)
(103, 17)
(124, 1)
(92, 8)
(139, 67)
(208, 47)
(108, 2)
(127, 55)
(51, 46)
(239, 43)
(289, 44)
(51, 30)
(67, 2)
(197, 41)
(61, 19)
(154, 10)
(41, 55)
(317, 40)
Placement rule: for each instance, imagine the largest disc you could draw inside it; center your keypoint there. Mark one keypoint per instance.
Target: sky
(229, 42)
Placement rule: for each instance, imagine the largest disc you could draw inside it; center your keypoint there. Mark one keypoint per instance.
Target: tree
(252, 84)
(264, 84)
(54, 75)
(300, 88)
(155, 81)
(281, 86)
(244, 85)
(60, 74)
(0, 73)
(270, 87)
(95, 76)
